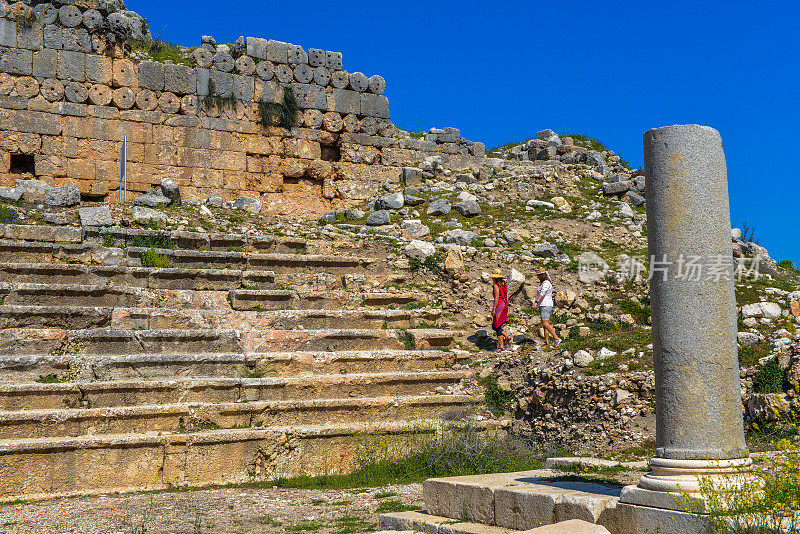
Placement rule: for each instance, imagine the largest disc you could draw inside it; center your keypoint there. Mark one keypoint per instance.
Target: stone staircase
(229, 366)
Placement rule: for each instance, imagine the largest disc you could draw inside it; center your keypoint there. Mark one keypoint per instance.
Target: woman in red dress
(500, 309)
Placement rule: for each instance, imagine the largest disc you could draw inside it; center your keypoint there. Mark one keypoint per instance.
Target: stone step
(68, 367)
(245, 299)
(414, 522)
(86, 317)
(198, 240)
(102, 394)
(48, 467)
(521, 501)
(143, 277)
(291, 319)
(75, 422)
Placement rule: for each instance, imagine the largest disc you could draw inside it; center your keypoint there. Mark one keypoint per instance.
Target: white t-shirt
(545, 289)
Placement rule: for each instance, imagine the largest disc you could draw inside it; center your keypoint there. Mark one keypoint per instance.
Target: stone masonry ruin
(71, 89)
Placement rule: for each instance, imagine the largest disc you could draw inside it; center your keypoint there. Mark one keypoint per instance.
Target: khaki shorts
(546, 312)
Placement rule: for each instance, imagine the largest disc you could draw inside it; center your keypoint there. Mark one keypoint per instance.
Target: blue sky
(501, 71)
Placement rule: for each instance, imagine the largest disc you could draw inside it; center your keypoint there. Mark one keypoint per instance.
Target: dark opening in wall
(22, 163)
(331, 153)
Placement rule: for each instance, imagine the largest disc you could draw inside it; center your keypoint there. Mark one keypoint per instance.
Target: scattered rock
(62, 197)
(393, 201)
(439, 207)
(625, 211)
(153, 198)
(747, 338)
(582, 358)
(32, 190)
(468, 208)
(379, 218)
(247, 204)
(95, 216)
(768, 310)
(604, 353)
(171, 190)
(420, 250)
(544, 250)
(10, 194)
(205, 212)
(454, 263)
(214, 202)
(142, 215)
(59, 219)
(540, 203)
(459, 237)
(353, 214)
(515, 281)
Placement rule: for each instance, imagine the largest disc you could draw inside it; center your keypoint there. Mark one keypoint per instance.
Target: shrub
(285, 111)
(789, 266)
(769, 379)
(152, 258)
(498, 400)
(159, 240)
(8, 215)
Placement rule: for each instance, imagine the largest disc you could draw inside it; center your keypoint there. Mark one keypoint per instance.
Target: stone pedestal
(699, 430)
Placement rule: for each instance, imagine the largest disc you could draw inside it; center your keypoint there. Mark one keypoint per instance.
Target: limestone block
(297, 55)
(99, 69)
(189, 105)
(124, 98)
(244, 88)
(125, 73)
(76, 39)
(265, 70)
(332, 122)
(322, 76)
(343, 101)
(340, 79)
(52, 37)
(284, 73)
(359, 82)
(303, 73)
(256, 47)
(52, 90)
(180, 79)
(374, 105)
(32, 37)
(309, 96)
(277, 52)
(369, 125)
(202, 58)
(224, 61)
(169, 103)
(76, 92)
(377, 85)
(6, 83)
(100, 95)
(222, 82)
(333, 60)
(8, 33)
(92, 19)
(45, 13)
(16, 61)
(312, 118)
(151, 75)
(27, 87)
(245, 66)
(203, 78)
(446, 498)
(146, 100)
(351, 123)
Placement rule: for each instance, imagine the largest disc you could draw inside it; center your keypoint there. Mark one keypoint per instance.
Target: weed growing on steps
(498, 400)
(159, 240)
(152, 258)
(8, 215)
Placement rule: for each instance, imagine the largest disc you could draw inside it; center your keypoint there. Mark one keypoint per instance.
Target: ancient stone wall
(71, 90)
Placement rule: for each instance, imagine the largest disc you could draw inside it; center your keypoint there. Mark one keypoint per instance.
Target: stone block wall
(70, 92)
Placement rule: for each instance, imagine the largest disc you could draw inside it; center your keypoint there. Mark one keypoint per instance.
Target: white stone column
(699, 429)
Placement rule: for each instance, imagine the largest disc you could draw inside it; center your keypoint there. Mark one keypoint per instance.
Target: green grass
(109, 240)
(152, 258)
(49, 379)
(409, 343)
(160, 240)
(457, 452)
(161, 51)
(394, 506)
(639, 309)
(8, 215)
(750, 354)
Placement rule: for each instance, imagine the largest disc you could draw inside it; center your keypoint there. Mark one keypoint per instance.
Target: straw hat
(541, 273)
(497, 275)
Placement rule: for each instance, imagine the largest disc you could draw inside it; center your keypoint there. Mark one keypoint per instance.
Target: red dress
(501, 312)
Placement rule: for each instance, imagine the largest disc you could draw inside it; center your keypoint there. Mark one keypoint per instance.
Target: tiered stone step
(244, 299)
(68, 367)
(198, 240)
(126, 392)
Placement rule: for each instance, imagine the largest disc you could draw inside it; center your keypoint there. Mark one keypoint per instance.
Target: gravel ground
(228, 510)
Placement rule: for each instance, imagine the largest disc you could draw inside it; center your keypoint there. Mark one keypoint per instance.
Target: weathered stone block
(322, 76)
(265, 70)
(359, 82)
(76, 39)
(8, 33)
(256, 47)
(224, 61)
(52, 37)
(245, 66)
(340, 79)
(92, 18)
(303, 73)
(72, 66)
(45, 13)
(297, 55)
(333, 60)
(126, 74)
(180, 79)
(277, 51)
(222, 83)
(374, 105)
(244, 88)
(203, 76)
(284, 73)
(377, 84)
(317, 57)
(310, 96)
(343, 101)
(151, 75)
(99, 69)
(70, 16)
(31, 37)
(16, 61)
(45, 63)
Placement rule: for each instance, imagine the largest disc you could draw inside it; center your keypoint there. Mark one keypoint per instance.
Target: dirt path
(214, 511)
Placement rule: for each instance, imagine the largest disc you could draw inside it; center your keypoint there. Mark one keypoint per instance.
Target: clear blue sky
(500, 71)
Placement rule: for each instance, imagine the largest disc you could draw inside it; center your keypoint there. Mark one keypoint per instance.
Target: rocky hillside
(551, 202)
